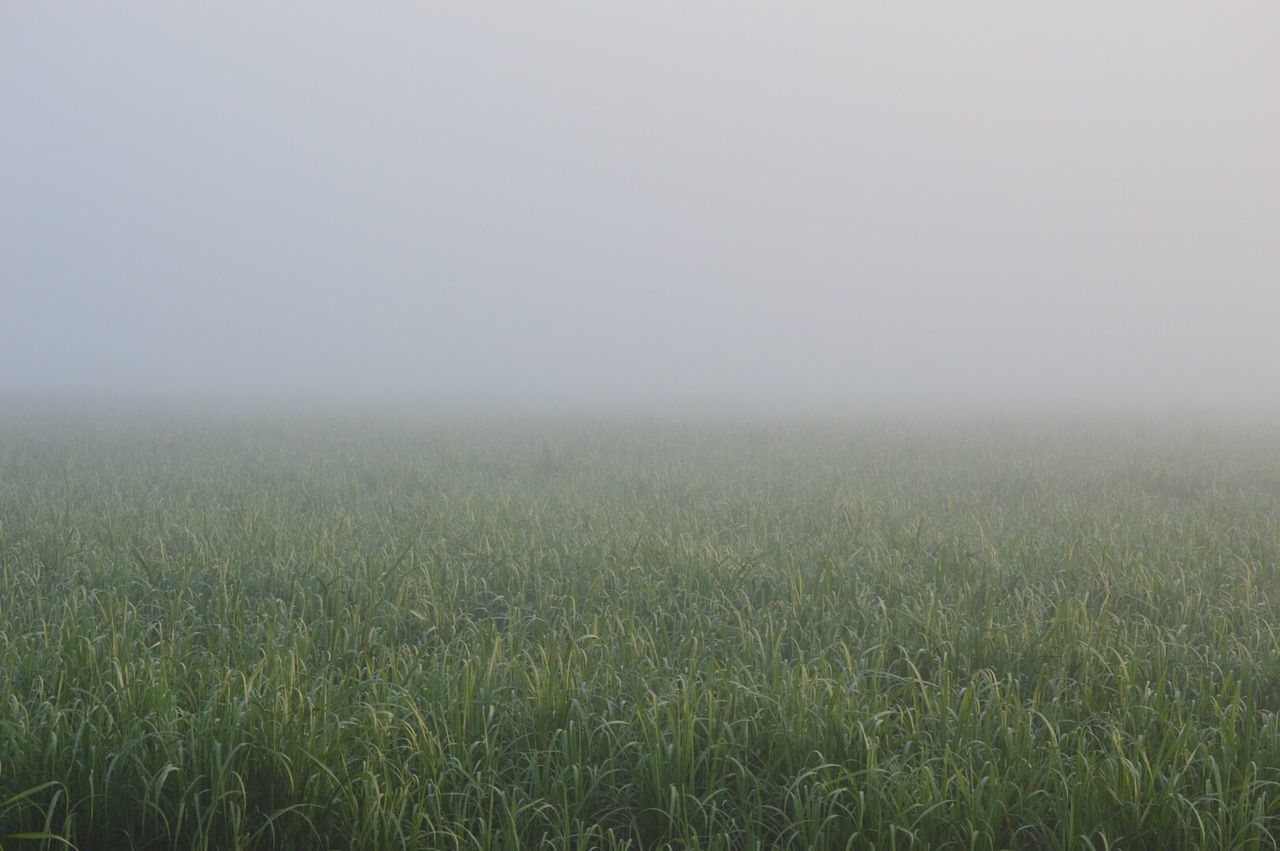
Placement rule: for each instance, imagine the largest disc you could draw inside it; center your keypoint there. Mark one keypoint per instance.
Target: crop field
(367, 635)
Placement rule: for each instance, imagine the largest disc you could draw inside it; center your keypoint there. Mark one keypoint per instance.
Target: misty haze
(679, 426)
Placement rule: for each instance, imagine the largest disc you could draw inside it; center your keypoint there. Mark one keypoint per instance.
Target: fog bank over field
(658, 207)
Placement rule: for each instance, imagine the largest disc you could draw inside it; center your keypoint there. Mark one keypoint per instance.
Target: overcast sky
(794, 204)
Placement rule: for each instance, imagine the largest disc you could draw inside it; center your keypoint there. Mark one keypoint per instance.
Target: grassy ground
(267, 635)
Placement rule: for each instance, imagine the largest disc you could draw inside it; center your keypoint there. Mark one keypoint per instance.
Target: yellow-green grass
(364, 636)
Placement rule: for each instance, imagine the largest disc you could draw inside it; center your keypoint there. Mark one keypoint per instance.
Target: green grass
(274, 635)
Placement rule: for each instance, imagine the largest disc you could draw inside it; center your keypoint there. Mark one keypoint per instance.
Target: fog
(788, 207)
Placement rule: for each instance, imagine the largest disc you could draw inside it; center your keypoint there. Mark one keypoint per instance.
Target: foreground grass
(823, 637)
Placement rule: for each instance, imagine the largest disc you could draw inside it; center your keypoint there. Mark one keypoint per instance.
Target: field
(365, 635)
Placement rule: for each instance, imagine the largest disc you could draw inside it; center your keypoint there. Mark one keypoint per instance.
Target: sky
(645, 205)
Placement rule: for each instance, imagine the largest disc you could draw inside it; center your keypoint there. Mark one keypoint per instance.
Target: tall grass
(287, 636)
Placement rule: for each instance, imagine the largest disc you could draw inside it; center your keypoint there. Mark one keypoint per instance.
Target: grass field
(364, 636)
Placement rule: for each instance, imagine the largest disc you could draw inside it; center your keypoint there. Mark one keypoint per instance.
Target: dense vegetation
(275, 635)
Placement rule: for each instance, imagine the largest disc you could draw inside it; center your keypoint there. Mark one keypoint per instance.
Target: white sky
(789, 205)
